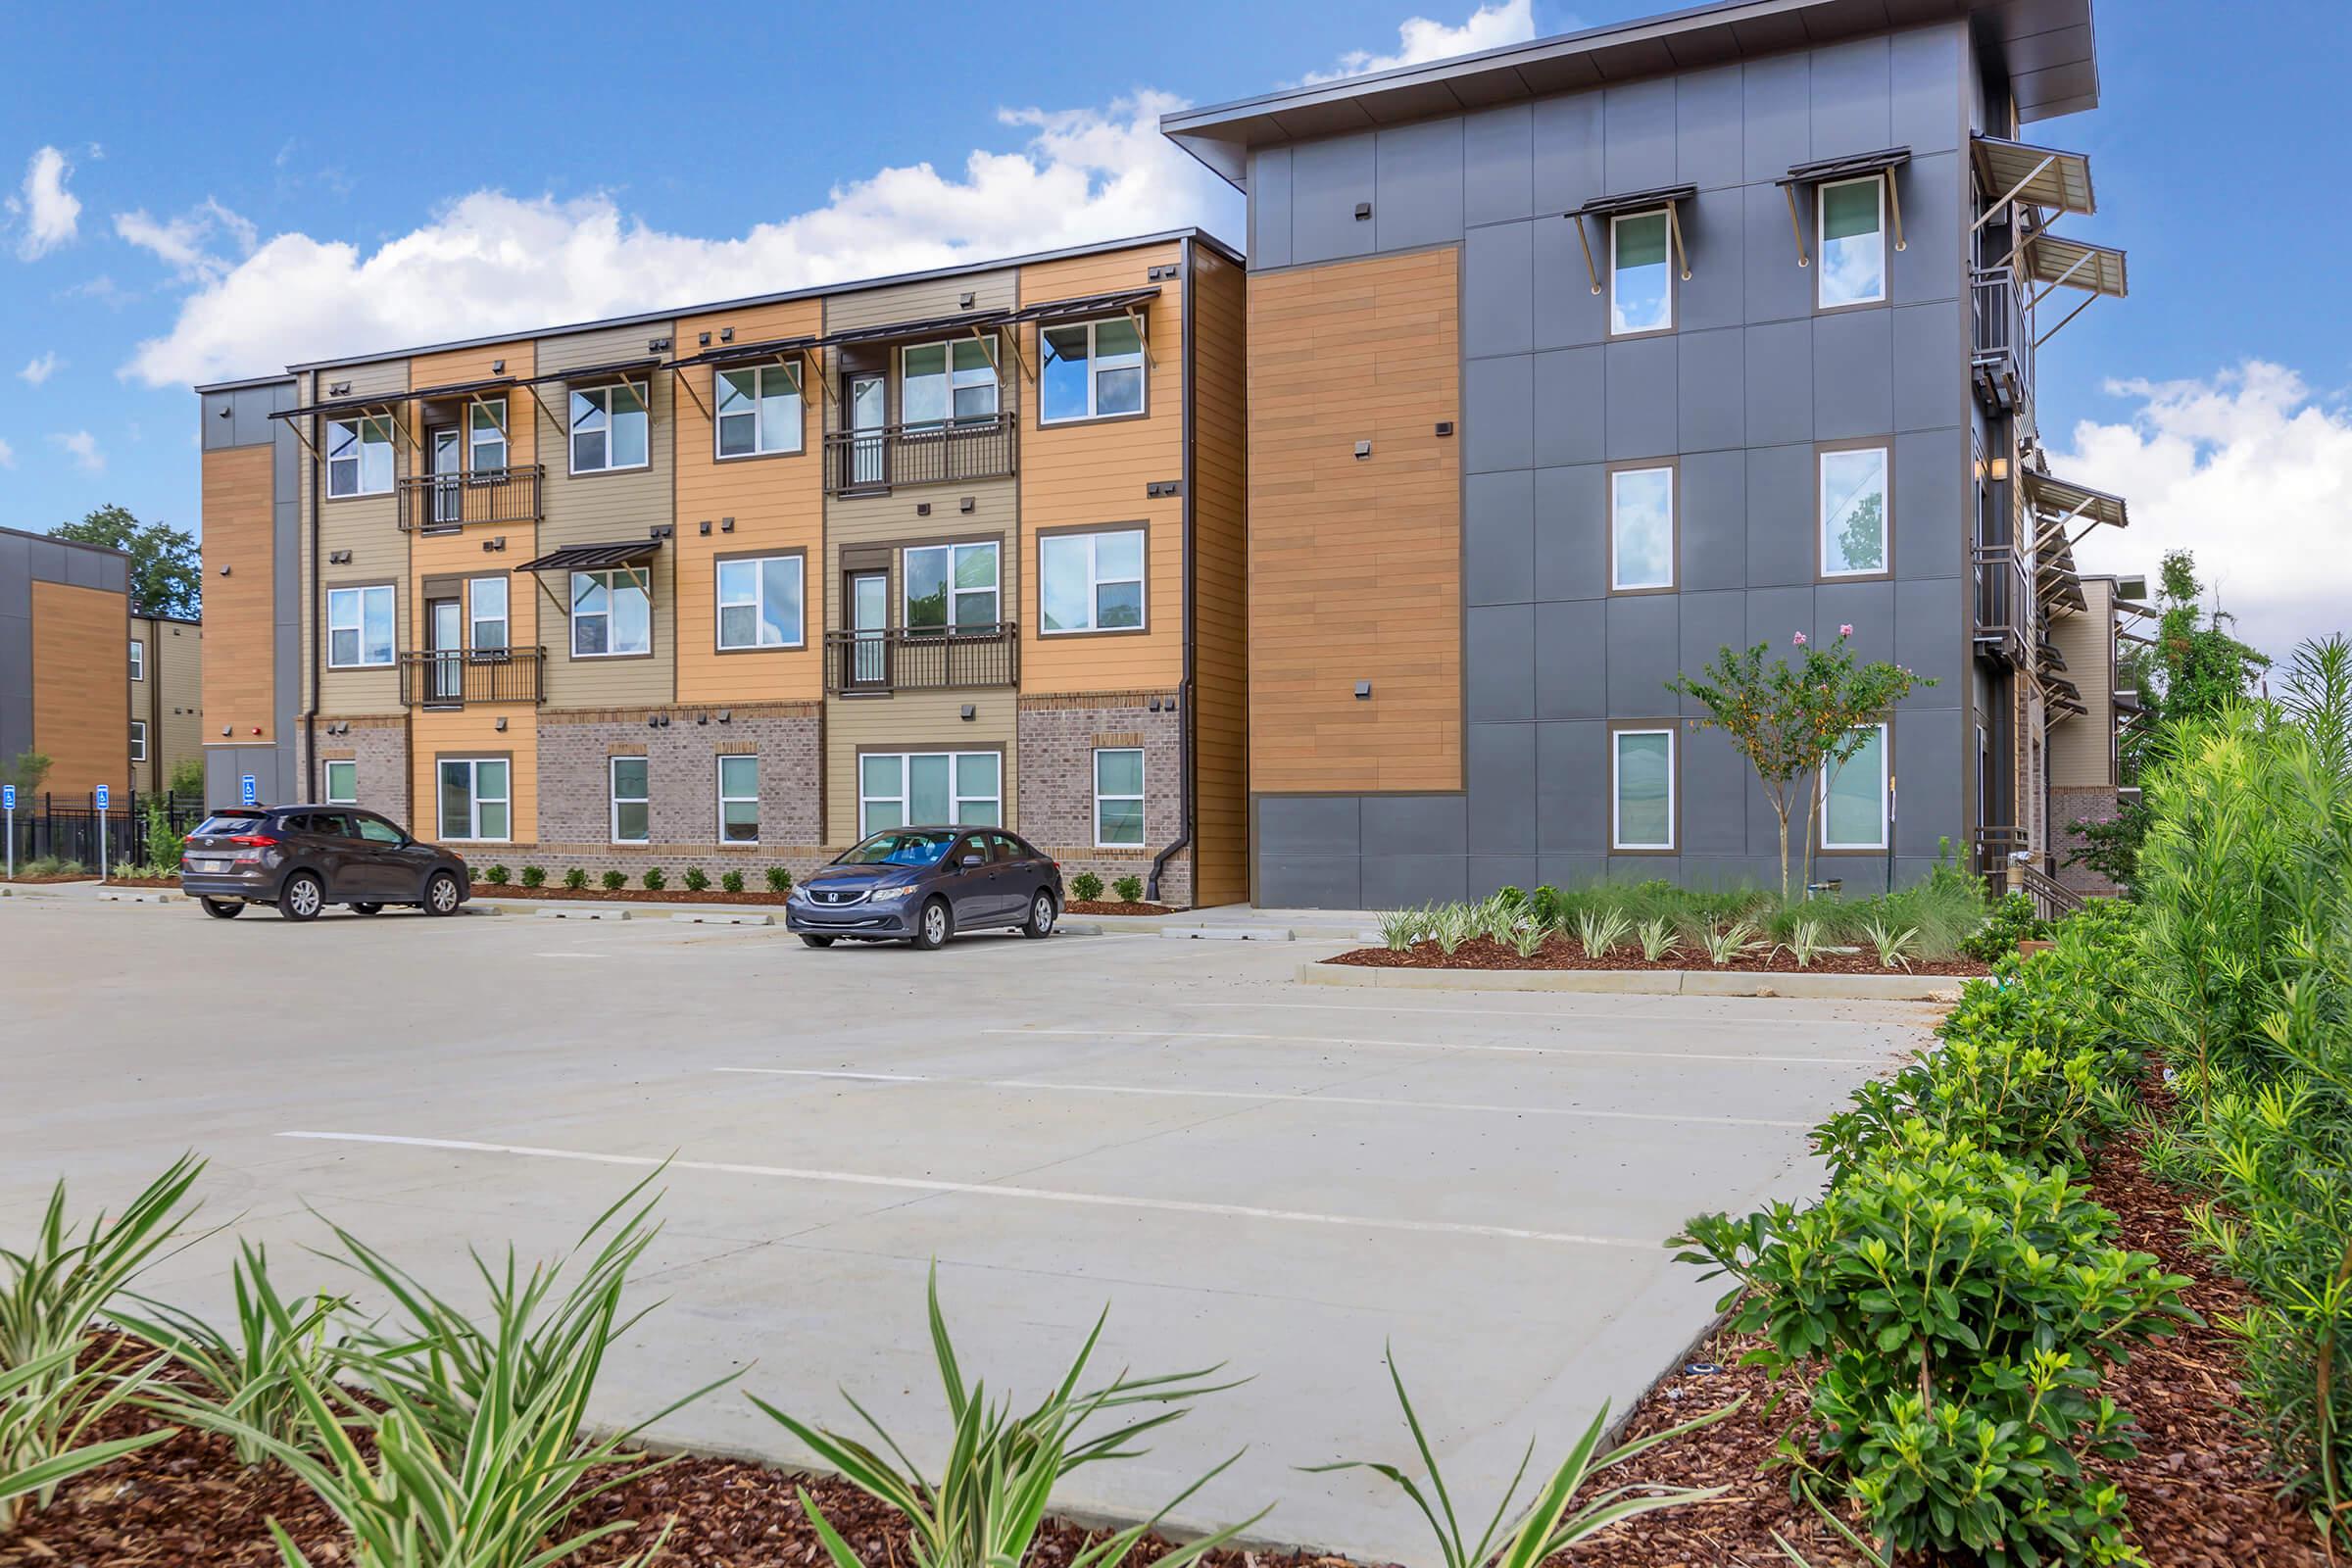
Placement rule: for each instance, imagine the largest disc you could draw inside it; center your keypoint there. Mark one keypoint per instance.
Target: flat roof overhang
(2048, 46)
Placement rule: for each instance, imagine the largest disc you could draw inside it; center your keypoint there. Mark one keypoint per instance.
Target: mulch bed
(142, 881)
(39, 881)
(1114, 907)
(594, 895)
(1564, 952)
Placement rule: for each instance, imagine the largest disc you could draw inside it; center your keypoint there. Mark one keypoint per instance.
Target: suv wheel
(933, 926)
(302, 898)
(367, 908)
(441, 894)
(223, 909)
(1041, 917)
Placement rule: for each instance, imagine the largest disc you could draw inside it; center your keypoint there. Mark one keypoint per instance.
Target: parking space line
(1268, 1096)
(1039, 1194)
(1440, 1045)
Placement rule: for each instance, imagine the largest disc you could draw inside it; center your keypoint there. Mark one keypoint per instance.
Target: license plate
(207, 865)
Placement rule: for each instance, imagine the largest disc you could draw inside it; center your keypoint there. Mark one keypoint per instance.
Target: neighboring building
(64, 692)
(1573, 361)
(732, 585)
(2087, 783)
(166, 695)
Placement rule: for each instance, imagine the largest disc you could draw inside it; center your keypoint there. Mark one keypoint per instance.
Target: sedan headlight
(890, 895)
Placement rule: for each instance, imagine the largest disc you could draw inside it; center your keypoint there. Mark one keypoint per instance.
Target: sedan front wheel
(933, 926)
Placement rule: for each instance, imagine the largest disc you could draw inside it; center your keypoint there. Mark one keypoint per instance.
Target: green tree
(187, 778)
(1791, 722)
(25, 770)
(167, 571)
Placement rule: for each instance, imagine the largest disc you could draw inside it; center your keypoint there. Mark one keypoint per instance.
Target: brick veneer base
(576, 751)
(2069, 807)
(1058, 736)
(381, 746)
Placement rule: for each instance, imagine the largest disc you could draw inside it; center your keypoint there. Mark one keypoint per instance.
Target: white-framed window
(1854, 796)
(1854, 521)
(611, 613)
(759, 410)
(139, 659)
(359, 457)
(1853, 215)
(1641, 788)
(1641, 282)
(342, 781)
(631, 795)
(486, 437)
(942, 384)
(739, 800)
(951, 585)
(473, 798)
(1642, 528)
(1091, 581)
(929, 789)
(358, 627)
(488, 628)
(138, 740)
(759, 601)
(1119, 796)
(1092, 370)
(608, 428)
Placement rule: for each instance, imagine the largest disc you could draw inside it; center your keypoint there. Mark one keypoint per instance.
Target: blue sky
(251, 184)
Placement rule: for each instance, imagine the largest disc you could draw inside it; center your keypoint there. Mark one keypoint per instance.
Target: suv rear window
(224, 823)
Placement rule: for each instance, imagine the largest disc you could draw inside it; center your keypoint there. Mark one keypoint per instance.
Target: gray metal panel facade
(1738, 395)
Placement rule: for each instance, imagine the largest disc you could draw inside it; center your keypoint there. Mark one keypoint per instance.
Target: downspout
(317, 626)
(1183, 691)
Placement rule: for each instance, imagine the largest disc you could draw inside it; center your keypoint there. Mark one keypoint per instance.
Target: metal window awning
(2060, 262)
(2039, 176)
(1669, 198)
(774, 348)
(2059, 503)
(1853, 165)
(940, 326)
(614, 371)
(1127, 301)
(593, 558)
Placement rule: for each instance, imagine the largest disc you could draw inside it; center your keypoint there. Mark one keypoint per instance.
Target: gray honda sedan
(926, 884)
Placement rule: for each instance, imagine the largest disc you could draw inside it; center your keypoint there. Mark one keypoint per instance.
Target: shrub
(779, 880)
(496, 876)
(1129, 889)
(697, 879)
(2009, 922)
(1455, 924)
(613, 881)
(1510, 897)
(1546, 908)
(163, 846)
(1806, 943)
(535, 876)
(1659, 941)
(1086, 887)
(655, 879)
(730, 881)
(51, 865)
(1600, 931)
(1727, 943)
(1894, 948)
(1950, 1310)
(575, 878)
(1400, 929)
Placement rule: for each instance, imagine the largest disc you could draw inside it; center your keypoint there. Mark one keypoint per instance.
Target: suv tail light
(252, 840)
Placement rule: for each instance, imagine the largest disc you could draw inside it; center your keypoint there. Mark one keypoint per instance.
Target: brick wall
(1058, 736)
(381, 746)
(2068, 807)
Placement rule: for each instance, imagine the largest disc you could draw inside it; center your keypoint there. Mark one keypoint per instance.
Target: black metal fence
(64, 827)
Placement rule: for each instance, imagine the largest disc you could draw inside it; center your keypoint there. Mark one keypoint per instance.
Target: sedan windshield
(899, 848)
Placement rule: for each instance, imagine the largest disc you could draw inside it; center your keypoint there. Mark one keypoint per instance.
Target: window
(1854, 796)
(759, 603)
(1640, 289)
(1091, 581)
(1119, 798)
(951, 585)
(759, 410)
(612, 613)
(474, 798)
(1853, 512)
(358, 627)
(139, 659)
(359, 457)
(929, 789)
(488, 628)
(608, 428)
(1642, 528)
(942, 381)
(138, 740)
(486, 437)
(1092, 370)
(1853, 246)
(739, 800)
(342, 781)
(631, 793)
(1641, 786)
(376, 830)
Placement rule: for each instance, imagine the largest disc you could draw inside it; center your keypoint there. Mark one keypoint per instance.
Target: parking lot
(1245, 1169)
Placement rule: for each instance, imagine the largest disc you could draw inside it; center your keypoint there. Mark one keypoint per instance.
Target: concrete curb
(722, 918)
(1226, 933)
(140, 896)
(583, 915)
(1647, 982)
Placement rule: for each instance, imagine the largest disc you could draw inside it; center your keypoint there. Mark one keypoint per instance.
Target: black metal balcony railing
(895, 454)
(2002, 349)
(2008, 614)
(470, 677)
(433, 502)
(901, 659)
(2002, 854)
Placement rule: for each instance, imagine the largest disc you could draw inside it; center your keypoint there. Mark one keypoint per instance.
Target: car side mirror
(973, 860)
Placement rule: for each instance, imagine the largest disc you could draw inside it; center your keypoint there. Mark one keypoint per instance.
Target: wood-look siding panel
(777, 505)
(473, 732)
(1220, 571)
(892, 520)
(1355, 563)
(920, 301)
(82, 686)
(240, 669)
(914, 721)
(365, 525)
(462, 553)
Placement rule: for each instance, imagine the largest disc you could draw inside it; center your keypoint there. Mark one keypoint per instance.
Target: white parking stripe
(1263, 1095)
(1438, 1045)
(1040, 1194)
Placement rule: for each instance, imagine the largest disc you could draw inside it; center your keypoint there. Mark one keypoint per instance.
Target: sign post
(102, 798)
(248, 791)
(8, 804)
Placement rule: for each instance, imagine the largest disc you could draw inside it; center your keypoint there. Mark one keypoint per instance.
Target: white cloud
(82, 447)
(186, 241)
(8, 456)
(1420, 40)
(36, 371)
(494, 263)
(52, 214)
(2249, 469)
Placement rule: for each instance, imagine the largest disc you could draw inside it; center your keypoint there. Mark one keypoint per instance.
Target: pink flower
(1800, 639)
(1846, 631)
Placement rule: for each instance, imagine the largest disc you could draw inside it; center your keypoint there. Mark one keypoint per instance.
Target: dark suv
(924, 884)
(304, 857)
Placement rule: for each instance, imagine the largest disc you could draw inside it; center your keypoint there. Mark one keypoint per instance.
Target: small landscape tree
(1790, 722)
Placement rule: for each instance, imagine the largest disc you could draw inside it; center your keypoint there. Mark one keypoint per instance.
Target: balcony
(2007, 613)
(444, 503)
(875, 664)
(888, 456)
(472, 677)
(2002, 350)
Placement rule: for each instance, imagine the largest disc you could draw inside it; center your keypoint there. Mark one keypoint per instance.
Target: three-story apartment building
(1572, 362)
(734, 585)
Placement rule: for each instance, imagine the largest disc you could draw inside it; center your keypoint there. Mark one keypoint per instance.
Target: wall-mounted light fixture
(704, 341)
(970, 713)
(1363, 210)
(726, 334)
(726, 715)
(2001, 470)
(965, 302)
(225, 411)
(223, 571)
(726, 525)
(922, 509)
(656, 345)
(498, 366)
(966, 504)
(1444, 427)
(500, 726)
(704, 526)
(1363, 449)
(1363, 691)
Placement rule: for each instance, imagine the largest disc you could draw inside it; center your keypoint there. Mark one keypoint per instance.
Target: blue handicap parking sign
(8, 796)
(102, 797)
(249, 791)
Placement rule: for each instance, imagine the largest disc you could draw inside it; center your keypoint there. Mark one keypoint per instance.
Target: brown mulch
(595, 894)
(142, 881)
(39, 881)
(1115, 907)
(1564, 952)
